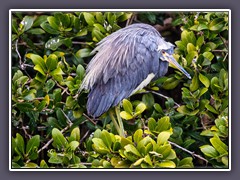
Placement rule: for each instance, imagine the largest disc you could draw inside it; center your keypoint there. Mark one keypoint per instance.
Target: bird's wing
(119, 67)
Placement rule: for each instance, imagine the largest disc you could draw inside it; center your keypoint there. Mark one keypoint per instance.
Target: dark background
(113, 4)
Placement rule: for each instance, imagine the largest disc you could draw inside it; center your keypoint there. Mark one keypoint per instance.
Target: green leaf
(100, 27)
(208, 55)
(188, 37)
(127, 106)
(82, 53)
(210, 108)
(163, 124)
(148, 100)
(80, 71)
(57, 71)
(97, 35)
(51, 62)
(54, 23)
(190, 47)
(106, 137)
(40, 19)
(39, 69)
(158, 108)
(29, 95)
(186, 163)
(36, 31)
(46, 27)
(204, 80)
(170, 83)
(138, 162)
(167, 164)
(138, 135)
(53, 43)
(33, 142)
(25, 106)
(49, 85)
(20, 145)
(125, 115)
(26, 23)
(225, 160)
(132, 149)
(195, 84)
(209, 151)
(219, 145)
(73, 145)
(30, 165)
(82, 32)
(89, 18)
(217, 24)
(152, 124)
(43, 164)
(99, 17)
(59, 139)
(140, 108)
(99, 146)
(37, 60)
(147, 159)
(163, 137)
(184, 110)
(200, 41)
(75, 134)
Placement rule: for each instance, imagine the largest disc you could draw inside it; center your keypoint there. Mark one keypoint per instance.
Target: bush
(187, 127)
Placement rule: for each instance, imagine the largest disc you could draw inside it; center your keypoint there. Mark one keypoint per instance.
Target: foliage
(50, 126)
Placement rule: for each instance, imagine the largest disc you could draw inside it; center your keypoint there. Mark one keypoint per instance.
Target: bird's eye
(163, 52)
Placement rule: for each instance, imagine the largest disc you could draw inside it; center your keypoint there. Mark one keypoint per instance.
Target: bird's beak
(171, 60)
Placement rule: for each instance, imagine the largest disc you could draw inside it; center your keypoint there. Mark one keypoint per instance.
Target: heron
(124, 62)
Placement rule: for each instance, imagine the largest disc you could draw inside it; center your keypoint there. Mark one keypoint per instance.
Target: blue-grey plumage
(125, 61)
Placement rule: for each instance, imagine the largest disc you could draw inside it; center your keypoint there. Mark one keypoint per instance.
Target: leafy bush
(187, 127)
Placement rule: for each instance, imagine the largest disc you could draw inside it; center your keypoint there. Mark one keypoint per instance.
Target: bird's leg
(117, 110)
(111, 113)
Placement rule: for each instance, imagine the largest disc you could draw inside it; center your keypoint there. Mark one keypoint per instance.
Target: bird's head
(167, 55)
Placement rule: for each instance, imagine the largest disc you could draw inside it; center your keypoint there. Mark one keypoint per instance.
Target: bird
(124, 62)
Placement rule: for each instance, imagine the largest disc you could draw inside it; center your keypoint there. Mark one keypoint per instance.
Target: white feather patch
(144, 83)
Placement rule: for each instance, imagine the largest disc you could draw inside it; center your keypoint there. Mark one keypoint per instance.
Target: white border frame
(118, 10)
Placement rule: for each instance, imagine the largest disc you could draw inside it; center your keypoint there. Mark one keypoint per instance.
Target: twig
(77, 42)
(19, 55)
(190, 152)
(130, 20)
(225, 57)
(219, 50)
(86, 116)
(51, 140)
(25, 132)
(64, 89)
(223, 41)
(69, 121)
(85, 135)
(161, 95)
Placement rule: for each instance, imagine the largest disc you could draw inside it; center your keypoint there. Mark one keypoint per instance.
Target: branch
(51, 140)
(161, 95)
(85, 135)
(86, 116)
(19, 55)
(219, 50)
(190, 152)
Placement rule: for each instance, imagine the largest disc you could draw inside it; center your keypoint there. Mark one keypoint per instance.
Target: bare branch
(190, 152)
(161, 95)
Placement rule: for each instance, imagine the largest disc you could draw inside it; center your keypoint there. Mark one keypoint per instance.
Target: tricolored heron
(125, 62)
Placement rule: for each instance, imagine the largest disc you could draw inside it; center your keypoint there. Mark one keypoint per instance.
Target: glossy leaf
(59, 139)
(204, 80)
(209, 151)
(125, 115)
(127, 106)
